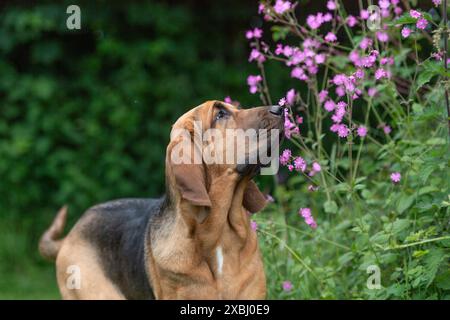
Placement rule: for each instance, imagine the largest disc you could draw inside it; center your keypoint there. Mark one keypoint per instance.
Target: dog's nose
(276, 110)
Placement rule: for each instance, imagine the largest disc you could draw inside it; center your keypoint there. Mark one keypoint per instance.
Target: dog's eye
(221, 114)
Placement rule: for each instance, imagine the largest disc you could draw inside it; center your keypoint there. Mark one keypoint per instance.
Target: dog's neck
(208, 224)
(218, 243)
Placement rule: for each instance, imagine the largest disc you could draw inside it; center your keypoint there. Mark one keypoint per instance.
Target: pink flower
(279, 49)
(255, 33)
(387, 129)
(290, 97)
(384, 4)
(299, 119)
(319, 58)
(396, 177)
(365, 43)
(288, 51)
(299, 73)
(253, 82)
(314, 22)
(312, 188)
(341, 105)
(329, 105)
(228, 99)
(261, 8)
(335, 127)
(300, 164)
(380, 73)
(281, 6)
(437, 3)
(253, 225)
(343, 131)
(282, 102)
(306, 214)
(364, 14)
(372, 92)
(315, 168)
(415, 14)
(339, 79)
(340, 91)
(382, 36)
(287, 286)
(387, 60)
(289, 127)
(437, 55)
(269, 198)
(351, 21)
(256, 55)
(421, 23)
(285, 157)
(323, 95)
(331, 5)
(361, 131)
(359, 73)
(330, 37)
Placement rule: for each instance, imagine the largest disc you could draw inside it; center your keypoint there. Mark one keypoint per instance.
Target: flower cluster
(304, 61)
(290, 127)
(421, 22)
(309, 219)
(355, 69)
(253, 82)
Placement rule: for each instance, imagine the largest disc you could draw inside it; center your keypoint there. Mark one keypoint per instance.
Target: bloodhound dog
(195, 242)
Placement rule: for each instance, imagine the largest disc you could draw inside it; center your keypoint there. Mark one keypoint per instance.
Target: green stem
(292, 251)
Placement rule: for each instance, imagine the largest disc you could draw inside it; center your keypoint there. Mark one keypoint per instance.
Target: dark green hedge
(85, 115)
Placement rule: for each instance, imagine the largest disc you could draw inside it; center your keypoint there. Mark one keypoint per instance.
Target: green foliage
(85, 115)
(403, 228)
(365, 221)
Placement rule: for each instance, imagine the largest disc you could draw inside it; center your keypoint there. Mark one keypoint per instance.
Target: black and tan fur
(167, 248)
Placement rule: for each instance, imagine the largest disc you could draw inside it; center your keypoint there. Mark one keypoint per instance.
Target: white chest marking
(219, 258)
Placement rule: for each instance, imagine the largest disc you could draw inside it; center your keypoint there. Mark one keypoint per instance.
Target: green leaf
(345, 258)
(404, 202)
(428, 189)
(417, 108)
(330, 207)
(424, 77)
(404, 19)
(432, 262)
(443, 280)
(279, 33)
(400, 225)
(436, 141)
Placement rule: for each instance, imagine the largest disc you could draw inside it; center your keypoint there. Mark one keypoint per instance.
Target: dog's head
(217, 139)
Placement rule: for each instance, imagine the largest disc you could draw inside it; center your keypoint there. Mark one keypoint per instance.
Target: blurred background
(85, 114)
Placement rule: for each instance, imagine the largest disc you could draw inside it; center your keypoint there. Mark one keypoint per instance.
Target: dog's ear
(254, 199)
(185, 161)
(190, 180)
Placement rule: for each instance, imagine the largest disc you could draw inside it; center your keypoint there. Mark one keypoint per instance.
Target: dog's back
(117, 230)
(107, 243)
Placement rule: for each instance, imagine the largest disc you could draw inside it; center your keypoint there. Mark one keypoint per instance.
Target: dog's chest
(225, 273)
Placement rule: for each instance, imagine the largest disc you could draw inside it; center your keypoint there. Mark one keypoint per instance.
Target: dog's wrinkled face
(215, 138)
